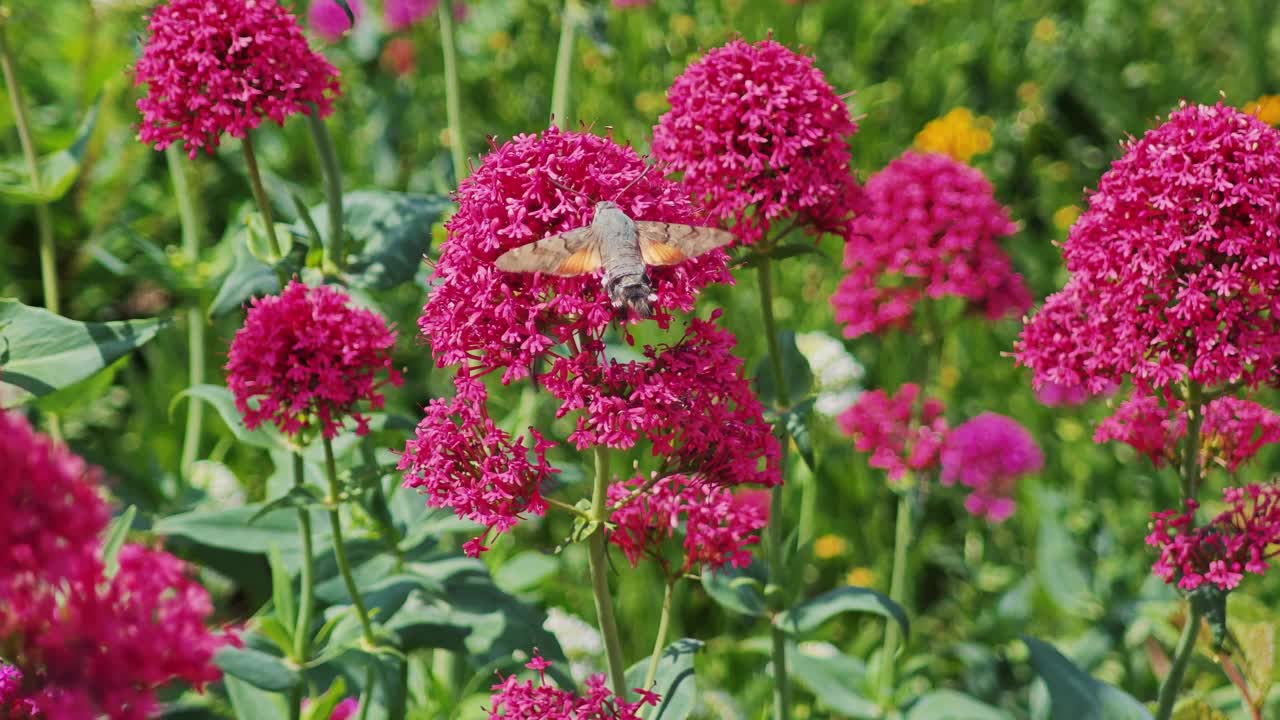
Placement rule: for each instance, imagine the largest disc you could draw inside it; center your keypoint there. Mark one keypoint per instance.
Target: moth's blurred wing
(670, 243)
(574, 252)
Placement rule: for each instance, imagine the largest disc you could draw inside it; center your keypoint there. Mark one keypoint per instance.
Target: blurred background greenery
(1036, 93)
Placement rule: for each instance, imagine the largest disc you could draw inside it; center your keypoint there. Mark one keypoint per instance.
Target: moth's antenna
(647, 168)
(561, 184)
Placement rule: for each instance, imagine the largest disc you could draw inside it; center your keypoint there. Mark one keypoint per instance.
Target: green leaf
(303, 497)
(320, 708)
(795, 370)
(952, 705)
(41, 352)
(263, 671)
(57, 171)
(247, 278)
(811, 613)
(230, 529)
(250, 702)
(796, 423)
(75, 397)
(388, 234)
(525, 571)
(265, 436)
(281, 588)
(270, 627)
(782, 252)
(675, 680)
(1194, 709)
(736, 589)
(1058, 568)
(1077, 695)
(832, 679)
(116, 532)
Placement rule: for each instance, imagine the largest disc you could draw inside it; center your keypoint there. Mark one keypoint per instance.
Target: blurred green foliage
(1063, 82)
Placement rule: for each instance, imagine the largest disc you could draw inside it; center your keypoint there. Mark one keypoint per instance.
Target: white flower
(835, 371)
(219, 484)
(577, 638)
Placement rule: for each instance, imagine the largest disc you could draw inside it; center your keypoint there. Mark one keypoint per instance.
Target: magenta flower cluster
(930, 228)
(83, 643)
(1233, 431)
(1241, 539)
(307, 357)
(902, 432)
(989, 454)
(328, 20)
(1174, 271)
(222, 66)
(717, 524)
(400, 14)
(516, 700)
(760, 137)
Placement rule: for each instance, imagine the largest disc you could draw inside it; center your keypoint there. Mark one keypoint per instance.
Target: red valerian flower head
(103, 646)
(901, 434)
(328, 20)
(222, 66)
(718, 524)
(760, 137)
(1173, 265)
(460, 459)
(1241, 539)
(1233, 431)
(400, 14)
(307, 355)
(930, 228)
(690, 400)
(515, 700)
(489, 319)
(988, 454)
(52, 514)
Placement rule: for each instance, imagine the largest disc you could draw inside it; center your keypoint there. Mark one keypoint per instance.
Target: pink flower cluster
(1234, 430)
(988, 454)
(515, 700)
(344, 710)
(1174, 271)
(330, 21)
(901, 432)
(690, 400)
(479, 316)
(929, 229)
(459, 458)
(1240, 539)
(760, 137)
(84, 644)
(221, 66)
(307, 355)
(400, 14)
(718, 524)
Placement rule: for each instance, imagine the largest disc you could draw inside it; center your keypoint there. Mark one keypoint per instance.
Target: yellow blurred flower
(1029, 92)
(683, 25)
(829, 546)
(959, 134)
(1065, 216)
(1045, 31)
(499, 40)
(650, 102)
(1267, 108)
(948, 376)
(861, 577)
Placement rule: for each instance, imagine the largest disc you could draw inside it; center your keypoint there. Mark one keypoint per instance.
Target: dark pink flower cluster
(307, 355)
(344, 710)
(479, 316)
(690, 400)
(989, 454)
(901, 433)
(718, 524)
(328, 20)
(1241, 539)
(1233, 432)
(1174, 271)
(400, 14)
(85, 645)
(930, 228)
(760, 137)
(515, 700)
(459, 458)
(222, 66)
(1053, 394)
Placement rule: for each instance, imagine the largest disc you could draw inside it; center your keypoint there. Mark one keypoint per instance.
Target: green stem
(776, 534)
(260, 193)
(1191, 450)
(323, 141)
(598, 562)
(564, 62)
(1181, 658)
(44, 222)
(340, 552)
(302, 633)
(366, 697)
(452, 95)
(660, 642)
(897, 593)
(195, 314)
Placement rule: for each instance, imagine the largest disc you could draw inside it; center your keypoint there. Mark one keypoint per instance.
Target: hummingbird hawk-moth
(624, 247)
